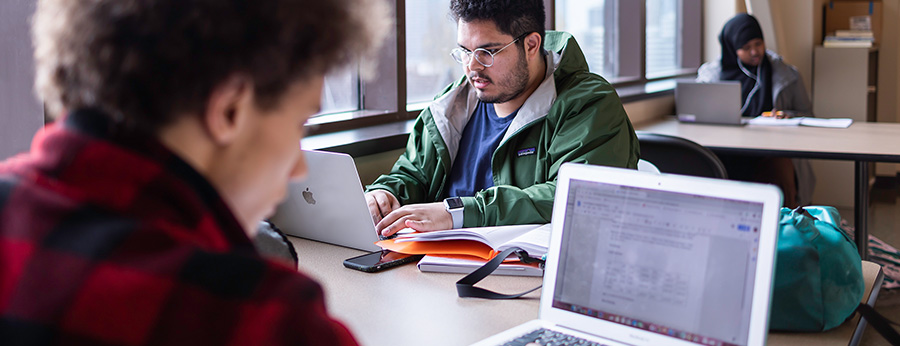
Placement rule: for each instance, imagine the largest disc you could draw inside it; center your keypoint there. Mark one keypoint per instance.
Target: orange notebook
(481, 242)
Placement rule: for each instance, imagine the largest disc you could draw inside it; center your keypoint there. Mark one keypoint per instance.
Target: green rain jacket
(573, 116)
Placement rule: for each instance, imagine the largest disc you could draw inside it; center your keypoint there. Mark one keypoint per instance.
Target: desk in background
(861, 143)
(403, 306)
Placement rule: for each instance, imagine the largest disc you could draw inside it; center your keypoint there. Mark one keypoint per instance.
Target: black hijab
(735, 34)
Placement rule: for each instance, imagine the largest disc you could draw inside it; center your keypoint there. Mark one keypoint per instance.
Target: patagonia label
(526, 152)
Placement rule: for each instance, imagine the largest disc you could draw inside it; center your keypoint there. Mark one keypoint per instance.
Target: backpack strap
(881, 324)
(465, 287)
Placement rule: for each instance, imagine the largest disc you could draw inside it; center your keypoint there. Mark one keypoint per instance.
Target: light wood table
(861, 143)
(403, 306)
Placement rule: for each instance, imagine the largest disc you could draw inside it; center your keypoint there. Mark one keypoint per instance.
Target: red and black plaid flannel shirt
(108, 238)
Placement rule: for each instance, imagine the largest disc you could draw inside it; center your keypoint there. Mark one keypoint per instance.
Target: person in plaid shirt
(129, 221)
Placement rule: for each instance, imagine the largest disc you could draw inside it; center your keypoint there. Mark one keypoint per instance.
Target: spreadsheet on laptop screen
(677, 264)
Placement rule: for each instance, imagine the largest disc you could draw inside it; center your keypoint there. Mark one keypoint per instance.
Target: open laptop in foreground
(638, 258)
(709, 103)
(329, 205)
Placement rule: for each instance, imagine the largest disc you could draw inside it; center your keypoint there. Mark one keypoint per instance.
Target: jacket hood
(570, 58)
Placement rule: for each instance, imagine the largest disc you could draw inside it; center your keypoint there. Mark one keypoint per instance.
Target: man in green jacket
(487, 151)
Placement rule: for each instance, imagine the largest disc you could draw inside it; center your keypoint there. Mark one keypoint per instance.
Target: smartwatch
(454, 206)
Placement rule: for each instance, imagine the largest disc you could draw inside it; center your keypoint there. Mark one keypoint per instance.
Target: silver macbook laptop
(638, 258)
(709, 103)
(329, 205)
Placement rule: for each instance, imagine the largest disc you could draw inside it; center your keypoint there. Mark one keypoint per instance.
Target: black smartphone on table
(379, 260)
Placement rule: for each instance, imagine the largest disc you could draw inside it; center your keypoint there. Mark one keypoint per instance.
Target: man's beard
(514, 86)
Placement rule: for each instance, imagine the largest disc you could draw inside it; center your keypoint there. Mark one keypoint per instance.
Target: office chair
(677, 155)
(646, 166)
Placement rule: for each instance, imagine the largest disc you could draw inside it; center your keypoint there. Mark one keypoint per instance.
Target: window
(662, 38)
(430, 35)
(587, 20)
(341, 91)
(629, 42)
(634, 41)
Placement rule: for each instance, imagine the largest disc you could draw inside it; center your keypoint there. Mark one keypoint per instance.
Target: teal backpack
(818, 272)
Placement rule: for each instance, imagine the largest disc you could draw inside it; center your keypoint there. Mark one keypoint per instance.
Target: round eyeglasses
(483, 56)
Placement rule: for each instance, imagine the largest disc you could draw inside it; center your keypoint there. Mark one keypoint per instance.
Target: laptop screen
(675, 264)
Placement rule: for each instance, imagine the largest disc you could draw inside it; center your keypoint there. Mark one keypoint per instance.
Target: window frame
(383, 98)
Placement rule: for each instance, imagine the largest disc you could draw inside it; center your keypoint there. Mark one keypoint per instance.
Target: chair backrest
(646, 166)
(677, 155)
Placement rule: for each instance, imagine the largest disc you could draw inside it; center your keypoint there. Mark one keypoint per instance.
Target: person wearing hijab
(767, 84)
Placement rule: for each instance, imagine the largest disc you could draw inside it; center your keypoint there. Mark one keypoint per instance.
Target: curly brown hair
(146, 61)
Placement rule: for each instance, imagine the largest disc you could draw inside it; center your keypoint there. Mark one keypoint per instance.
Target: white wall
(792, 32)
(763, 13)
(20, 113)
(715, 14)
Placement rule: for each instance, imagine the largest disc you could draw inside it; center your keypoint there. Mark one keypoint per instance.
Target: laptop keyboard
(546, 337)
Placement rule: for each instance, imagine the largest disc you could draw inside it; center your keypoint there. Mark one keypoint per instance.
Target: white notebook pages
(534, 239)
(802, 121)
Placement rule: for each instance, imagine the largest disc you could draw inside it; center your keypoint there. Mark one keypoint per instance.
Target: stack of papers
(804, 121)
(467, 264)
(850, 39)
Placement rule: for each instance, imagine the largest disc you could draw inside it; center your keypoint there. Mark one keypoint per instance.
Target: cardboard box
(838, 13)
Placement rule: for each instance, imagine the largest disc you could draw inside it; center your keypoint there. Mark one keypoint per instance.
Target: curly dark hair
(512, 17)
(146, 61)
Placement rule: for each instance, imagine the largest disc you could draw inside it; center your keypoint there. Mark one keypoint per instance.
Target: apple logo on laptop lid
(308, 196)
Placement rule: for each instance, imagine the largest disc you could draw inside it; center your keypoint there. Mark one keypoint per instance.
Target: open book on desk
(802, 121)
(480, 242)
